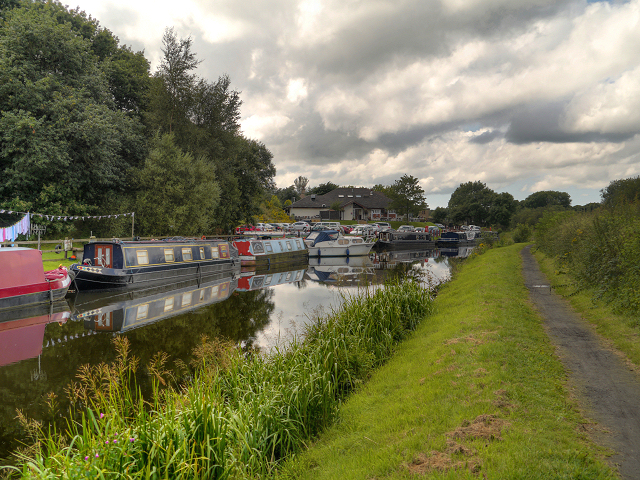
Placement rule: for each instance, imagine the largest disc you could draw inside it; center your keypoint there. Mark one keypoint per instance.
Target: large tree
(547, 198)
(65, 147)
(177, 193)
(621, 191)
(407, 195)
(475, 203)
(323, 188)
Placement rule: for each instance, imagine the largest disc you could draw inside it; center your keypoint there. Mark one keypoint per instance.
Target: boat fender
(347, 252)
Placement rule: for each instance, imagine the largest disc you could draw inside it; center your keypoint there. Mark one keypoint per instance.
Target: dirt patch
(456, 455)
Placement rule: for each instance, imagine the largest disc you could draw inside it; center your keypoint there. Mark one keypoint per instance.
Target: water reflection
(42, 351)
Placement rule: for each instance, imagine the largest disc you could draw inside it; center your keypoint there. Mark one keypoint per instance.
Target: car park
(265, 227)
(382, 225)
(301, 227)
(406, 228)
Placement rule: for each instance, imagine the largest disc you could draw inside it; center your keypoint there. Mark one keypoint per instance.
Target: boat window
(214, 291)
(289, 276)
(333, 236)
(168, 255)
(143, 257)
(186, 254)
(289, 246)
(357, 240)
(202, 294)
(186, 299)
(299, 242)
(343, 241)
(168, 304)
(298, 275)
(143, 311)
(267, 279)
(214, 252)
(201, 253)
(268, 245)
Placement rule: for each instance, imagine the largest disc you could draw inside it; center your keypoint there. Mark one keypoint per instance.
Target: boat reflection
(126, 311)
(460, 252)
(343, 270)
(391, 258)
(257, 279)
(22, 334)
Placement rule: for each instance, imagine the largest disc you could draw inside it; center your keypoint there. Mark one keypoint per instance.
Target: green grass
(483, 353)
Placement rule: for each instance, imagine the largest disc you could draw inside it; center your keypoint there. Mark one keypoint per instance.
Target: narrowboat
(265, 251)
(132, 265)
(391, 258)
(125, 311)
(257, 280)
(329, 243)
(24, 282)
(454, 239)
(389, 239)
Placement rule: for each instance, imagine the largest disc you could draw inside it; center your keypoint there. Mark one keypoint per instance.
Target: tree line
(87, 129)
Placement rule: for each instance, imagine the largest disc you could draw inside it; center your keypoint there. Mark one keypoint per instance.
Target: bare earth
(606, 388)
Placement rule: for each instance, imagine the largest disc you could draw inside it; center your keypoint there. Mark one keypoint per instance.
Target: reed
(240, 415)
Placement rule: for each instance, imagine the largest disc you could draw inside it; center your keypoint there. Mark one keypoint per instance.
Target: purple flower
(102, 415)
(107, 442)
(115, 441)
(86, 458)
(97, 455)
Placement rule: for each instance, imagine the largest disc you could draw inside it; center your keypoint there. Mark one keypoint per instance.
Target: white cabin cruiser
(329, 243)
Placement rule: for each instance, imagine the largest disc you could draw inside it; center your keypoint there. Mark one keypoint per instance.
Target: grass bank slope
(476, 392)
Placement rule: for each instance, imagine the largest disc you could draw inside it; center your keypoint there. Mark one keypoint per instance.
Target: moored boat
(266, 251)
(143, 264)
(329, 243)
(452, 239)
(256, 280)
(342, 270)
(411, 240)
(24, 282)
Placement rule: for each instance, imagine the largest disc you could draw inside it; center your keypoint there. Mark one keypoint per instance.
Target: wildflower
(101, 415)
(115, 441)
(86, 458)
(97, 455)
(107, 442)
(131, 439)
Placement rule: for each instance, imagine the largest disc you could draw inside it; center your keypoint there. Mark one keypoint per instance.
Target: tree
(474, 202)
(407, 194)
(301, 185)
(547, 198)
(323, 188)
(177, 193)
(272, 212)
(286, 194)
(439, 215)
(621, 191)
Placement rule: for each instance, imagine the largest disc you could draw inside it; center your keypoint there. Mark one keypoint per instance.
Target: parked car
(301, 227)
(440, 226)
(363, 230)
(265, 227)
(433, 230)
(382, 225)
(346, 229)
(406, 228)
(245, 228)
(420, 229)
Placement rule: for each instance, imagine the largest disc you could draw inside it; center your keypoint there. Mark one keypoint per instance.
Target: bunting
(65, 218)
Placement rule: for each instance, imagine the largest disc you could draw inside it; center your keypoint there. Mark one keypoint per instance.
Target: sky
(522, 95)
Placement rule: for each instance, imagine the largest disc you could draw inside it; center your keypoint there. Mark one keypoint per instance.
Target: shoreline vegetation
(474, 390)
(238, 414)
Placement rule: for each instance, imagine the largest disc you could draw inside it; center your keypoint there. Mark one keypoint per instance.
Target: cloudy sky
(523, 95)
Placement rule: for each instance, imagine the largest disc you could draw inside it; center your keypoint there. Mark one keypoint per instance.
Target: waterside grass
(475, 392)
(239, 414)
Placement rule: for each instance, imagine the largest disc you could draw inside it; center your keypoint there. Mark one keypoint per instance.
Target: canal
(257, 310)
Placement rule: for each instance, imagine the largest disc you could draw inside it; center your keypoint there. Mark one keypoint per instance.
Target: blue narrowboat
(455, 239)
(411, 240)
(120, 265)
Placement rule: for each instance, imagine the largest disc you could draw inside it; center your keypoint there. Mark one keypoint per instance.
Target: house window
(186, 254)
(143, 257)
(168, 255)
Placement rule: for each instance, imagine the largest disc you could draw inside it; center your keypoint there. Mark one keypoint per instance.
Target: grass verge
(476, 392)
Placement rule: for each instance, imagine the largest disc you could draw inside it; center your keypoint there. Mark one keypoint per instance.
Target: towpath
(606, 388)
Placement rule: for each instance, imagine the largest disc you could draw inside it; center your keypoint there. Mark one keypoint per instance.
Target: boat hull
(340, 250)
(267, 252)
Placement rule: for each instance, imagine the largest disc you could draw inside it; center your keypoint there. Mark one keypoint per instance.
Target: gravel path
(606, 388)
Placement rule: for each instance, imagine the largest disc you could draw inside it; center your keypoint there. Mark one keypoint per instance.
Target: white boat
(343, 270)
(329, 243)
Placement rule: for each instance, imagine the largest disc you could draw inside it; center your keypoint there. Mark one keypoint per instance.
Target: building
(355, 204)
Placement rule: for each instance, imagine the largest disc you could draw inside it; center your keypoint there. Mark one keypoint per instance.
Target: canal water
(41, 354)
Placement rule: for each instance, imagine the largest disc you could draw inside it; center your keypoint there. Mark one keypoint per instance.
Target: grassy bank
(233, 415)
(476, 392)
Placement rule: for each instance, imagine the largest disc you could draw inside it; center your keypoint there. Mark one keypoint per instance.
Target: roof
(365, 197)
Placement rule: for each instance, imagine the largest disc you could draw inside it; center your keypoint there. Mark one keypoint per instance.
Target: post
(133, 214)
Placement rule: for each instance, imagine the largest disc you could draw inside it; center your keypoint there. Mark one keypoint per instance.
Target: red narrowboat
(23, 282)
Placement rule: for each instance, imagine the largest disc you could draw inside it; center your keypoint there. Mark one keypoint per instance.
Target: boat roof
(13, 249)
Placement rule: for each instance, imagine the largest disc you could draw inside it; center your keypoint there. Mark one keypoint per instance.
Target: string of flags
(67, 217)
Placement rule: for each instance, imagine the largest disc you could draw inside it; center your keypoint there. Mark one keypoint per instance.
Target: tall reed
(241, 414)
